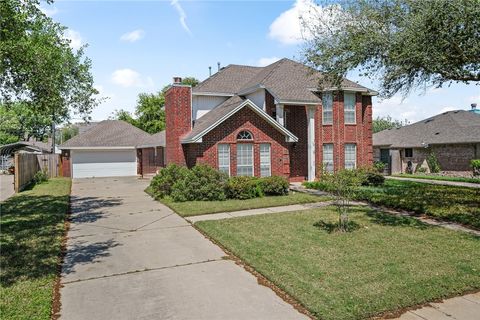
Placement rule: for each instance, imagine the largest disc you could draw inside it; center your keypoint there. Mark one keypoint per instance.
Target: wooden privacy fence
(27, 164)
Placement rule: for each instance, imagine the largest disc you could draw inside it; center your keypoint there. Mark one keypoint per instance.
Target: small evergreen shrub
(40, 177)
(201, 183)
(243, 188)
(433, 164)
(274, 186)
(162, 184)
(475, 166)
(370, 177)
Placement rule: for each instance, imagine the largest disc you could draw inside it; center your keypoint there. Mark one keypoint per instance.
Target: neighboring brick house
(453, 136)
(272, 120)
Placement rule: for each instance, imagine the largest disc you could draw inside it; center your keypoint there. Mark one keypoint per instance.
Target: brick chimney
(178, 120)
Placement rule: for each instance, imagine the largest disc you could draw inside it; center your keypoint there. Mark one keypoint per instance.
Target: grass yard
(195, 208)
(450, 203)
(387, 264)
(440, 178)
(32, 227)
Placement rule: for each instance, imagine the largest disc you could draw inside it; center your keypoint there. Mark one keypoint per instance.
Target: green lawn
(387, 264)
(32, 225)
(456, 204)
(440, 178)
(194, 208)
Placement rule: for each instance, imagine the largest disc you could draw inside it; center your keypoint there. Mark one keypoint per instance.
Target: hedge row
(205, 183)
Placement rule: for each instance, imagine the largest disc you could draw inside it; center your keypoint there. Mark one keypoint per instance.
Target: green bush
(421, 170)
(40, 177)
(201, 183)
(243, 188)
(475, 166)
(370, 177)
(163, 182)
(274, 186)
(433, 164)
(379, 166)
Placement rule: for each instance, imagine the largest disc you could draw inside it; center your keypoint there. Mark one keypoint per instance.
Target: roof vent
(474, 106)
(428, 120)
(437, 133)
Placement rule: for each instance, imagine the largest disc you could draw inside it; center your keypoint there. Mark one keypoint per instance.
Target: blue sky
(138, 46)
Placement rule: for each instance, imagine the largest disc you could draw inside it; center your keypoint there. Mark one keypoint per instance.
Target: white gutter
(216, 94)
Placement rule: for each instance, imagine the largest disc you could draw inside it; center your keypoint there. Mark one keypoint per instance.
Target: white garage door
(103, 163)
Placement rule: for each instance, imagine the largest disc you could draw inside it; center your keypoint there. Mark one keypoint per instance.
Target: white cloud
(287, 27)
(133, 36)
(304, 19)
(262, 62)
(182, 15)
(131, 78)
(50, 11)
(447, 109)
(75, 38)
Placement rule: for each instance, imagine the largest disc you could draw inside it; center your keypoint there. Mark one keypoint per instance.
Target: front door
(385, 158)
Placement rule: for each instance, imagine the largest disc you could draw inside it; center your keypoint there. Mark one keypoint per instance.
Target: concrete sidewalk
(130, 257)
(458, 308)
(253, 212)
(440, 182)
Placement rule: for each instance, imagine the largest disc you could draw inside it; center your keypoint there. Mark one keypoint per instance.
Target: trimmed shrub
(40, 177)
(475, 167)
(370, 177)
(163, 182)
(274, 186)
(202, 183)
(243, 188)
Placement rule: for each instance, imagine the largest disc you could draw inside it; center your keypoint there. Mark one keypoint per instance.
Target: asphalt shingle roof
(110, 133)
(450, 127)
(285, 79)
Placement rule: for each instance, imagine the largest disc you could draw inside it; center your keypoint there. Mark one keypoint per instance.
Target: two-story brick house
(271, 120)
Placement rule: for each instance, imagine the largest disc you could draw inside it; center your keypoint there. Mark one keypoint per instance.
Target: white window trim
(229, 159)
(349, 110)
(253, 159)
(269, 159)
(345, 155)
(330, 97)
(323, 157)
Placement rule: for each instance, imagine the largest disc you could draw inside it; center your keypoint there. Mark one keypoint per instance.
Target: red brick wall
(178, 120)
(340, 133)
(245, 119)
(296, 121)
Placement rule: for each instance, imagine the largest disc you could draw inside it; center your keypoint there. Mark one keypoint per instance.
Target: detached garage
(112, 148)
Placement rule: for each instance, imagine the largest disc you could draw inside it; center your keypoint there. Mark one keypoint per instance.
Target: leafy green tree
(67, 132)
(150, 112)
(384, 123)
(18, 121)
(405, 44)
(38, 66)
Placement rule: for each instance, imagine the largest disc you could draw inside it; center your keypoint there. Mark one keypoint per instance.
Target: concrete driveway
(129, 257)
(6, 186)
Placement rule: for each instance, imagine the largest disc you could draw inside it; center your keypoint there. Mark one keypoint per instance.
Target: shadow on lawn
(386, 219)
(31, 230)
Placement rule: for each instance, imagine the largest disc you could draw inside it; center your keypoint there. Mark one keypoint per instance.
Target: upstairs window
(244, 135)
(349, 107)
(327, 104)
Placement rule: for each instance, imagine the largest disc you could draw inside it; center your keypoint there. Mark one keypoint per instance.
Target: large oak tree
(405, 44)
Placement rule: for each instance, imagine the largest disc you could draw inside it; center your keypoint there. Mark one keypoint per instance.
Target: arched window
(244, 135)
